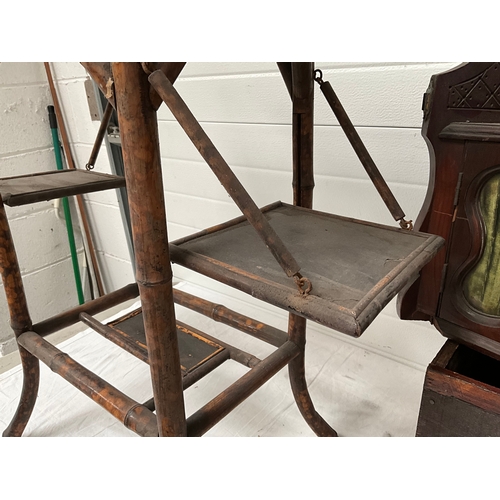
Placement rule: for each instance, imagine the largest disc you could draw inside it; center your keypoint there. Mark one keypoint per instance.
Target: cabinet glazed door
(471, 294)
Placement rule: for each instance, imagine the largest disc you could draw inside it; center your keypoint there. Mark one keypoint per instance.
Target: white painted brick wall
(245, 109)
(39, 235)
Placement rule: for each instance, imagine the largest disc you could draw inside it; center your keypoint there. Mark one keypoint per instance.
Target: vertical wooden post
(141, 154)
(20, 322)
(302, 126)
(303, 184)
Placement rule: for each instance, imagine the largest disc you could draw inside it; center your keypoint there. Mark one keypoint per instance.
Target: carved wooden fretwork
(480, 92)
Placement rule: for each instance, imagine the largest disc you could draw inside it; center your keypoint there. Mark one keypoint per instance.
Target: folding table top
(355, 267)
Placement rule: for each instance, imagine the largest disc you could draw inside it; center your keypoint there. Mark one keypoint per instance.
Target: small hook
(406, 224)
(301, 281)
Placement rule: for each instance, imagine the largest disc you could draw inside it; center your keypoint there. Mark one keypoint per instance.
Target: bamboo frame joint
(149, 284)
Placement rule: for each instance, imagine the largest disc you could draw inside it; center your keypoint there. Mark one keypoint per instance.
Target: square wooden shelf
(355, 267)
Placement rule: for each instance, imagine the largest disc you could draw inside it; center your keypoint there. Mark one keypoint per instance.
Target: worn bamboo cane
(303, 185)
(141, 156)
(20, 322)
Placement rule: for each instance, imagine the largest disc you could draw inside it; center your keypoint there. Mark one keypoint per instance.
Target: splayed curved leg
(29, 392)
(296, 370)
(31, 378)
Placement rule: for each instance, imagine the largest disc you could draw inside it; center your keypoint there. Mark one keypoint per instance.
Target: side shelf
(355, 267)
(44, 186)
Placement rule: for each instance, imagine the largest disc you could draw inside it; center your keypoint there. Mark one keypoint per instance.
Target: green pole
(67, 213)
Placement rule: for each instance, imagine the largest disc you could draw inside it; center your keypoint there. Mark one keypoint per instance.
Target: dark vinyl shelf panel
(194, 348)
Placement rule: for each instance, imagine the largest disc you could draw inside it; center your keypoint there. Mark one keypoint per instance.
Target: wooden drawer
(461, 395)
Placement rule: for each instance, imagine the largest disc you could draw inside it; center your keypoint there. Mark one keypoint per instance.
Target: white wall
(245, 109)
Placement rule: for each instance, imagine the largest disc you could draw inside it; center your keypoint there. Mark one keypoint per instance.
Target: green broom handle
(67, 213)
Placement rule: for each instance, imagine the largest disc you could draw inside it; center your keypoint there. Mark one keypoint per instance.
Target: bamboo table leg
(141, 155)
(21, 322)
(302, 91)
(297, 374)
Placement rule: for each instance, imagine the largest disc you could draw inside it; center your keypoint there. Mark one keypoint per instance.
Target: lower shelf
(355, 267)
(197, 353)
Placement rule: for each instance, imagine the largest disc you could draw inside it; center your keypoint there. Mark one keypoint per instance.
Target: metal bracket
(92, 100)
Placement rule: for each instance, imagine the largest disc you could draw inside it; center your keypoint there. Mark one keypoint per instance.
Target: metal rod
(137, 418)
(231, 318)
(103, 127)
(207, 416)
(360, 149)
(141, 155)
(71, 165)
(96, 306)
(223, 172)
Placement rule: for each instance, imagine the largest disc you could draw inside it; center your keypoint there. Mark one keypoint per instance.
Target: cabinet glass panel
(482, 284)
